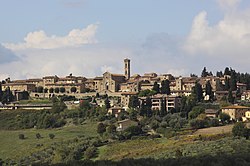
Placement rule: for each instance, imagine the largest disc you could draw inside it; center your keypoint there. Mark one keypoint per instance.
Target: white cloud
(6, 55)
(228, 4)
(40, 40)
(226, 42)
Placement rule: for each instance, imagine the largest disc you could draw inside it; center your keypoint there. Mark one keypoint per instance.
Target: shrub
(90, 152)
(51, 136)
(21, 136)
(240, 130)
(38, 136)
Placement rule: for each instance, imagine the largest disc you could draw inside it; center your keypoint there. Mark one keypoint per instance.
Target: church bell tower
(127, 68)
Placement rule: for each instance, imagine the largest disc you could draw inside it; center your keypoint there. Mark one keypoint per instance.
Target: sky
(89, 37)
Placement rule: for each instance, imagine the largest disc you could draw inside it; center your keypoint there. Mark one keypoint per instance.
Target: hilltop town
(103, 118)
(126, 85)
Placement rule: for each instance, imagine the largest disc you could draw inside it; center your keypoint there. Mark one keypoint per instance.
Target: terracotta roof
(129, 93)
(236, 107)
(211, 111)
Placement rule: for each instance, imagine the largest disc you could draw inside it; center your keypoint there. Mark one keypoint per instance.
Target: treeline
(220, 160)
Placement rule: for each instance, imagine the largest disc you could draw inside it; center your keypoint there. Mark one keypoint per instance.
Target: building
(235, 112)
(125, 96)
(212, 113)
(163, 102)
(124, 124)
(19, 87)
(116, 111)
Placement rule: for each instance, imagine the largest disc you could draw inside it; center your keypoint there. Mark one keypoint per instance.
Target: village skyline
(90, 37)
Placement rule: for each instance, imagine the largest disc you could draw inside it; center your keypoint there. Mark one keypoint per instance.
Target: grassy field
(14, 148)
(215, 130)
(187, 145)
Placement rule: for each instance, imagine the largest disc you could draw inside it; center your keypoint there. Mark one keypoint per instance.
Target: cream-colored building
(125, 96)
(19, 87)
(235, 112)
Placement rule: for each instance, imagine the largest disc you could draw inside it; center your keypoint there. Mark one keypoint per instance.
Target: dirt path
(214, 130)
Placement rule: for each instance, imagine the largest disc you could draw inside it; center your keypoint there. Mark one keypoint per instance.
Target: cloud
(226, 42)
(40, 40)
(6, 55)
(228, 4)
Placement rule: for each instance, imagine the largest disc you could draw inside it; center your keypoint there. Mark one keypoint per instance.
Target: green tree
(165, 87)
(239, 129)
(148, 105)
(101, 128)
(224, 117)
(197, 110)
(230, 97)
(198, 92)
(7, 96)
(204, 72)
(111, 129)
(107, 103)
(58, 106)
(133, 102)
(209, 91)
(156, 87)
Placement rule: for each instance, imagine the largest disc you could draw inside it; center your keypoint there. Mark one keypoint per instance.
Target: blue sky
(119, 20)
(88, 37)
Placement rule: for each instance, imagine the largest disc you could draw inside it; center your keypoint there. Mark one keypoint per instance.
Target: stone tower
(127, 68)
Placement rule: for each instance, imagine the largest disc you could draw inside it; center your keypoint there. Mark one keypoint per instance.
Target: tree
(58, 106)
(197, 110)
(101, 128)
(230, 97)
(133, 102)
(7, 96)
(165, 87)
(148, 105)
(40, 89)
(227, 71)
(239, 129)
(57, 90)
(51, 90)
(209, 91)
(198, 92)
(227, 84)
(224, 117)
(51, 136)
(73, 89)
(107, 103)
(111, 129)
(38, 136)
(204, 72)
(156, 87)
(21, 136)
(62, 89)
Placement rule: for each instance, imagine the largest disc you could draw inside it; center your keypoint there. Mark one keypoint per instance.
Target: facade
(212, 113)
(235, 112)
(163, 102)
(125, 96)
(124, 124)
(115, 111)
(19, 87)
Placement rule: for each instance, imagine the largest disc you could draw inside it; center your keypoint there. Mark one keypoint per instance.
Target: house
(124, 124)
(166, 102)
(212, 113)
(19, 87)
(115, 111)
(235, 112)
(125, 96)
(246, 117)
